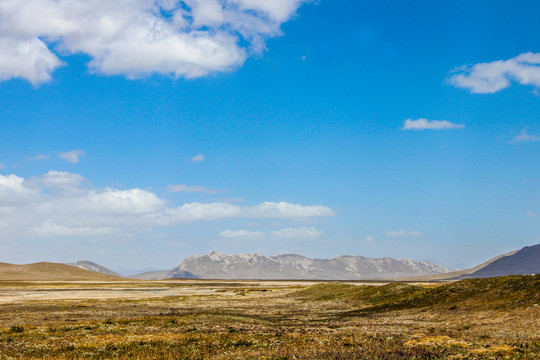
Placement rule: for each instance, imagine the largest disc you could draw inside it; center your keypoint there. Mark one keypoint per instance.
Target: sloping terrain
(498, 292)
(44, 271)
(290, 266)
(91, 266)
(456, 274)
(152, 275)
(523, 262)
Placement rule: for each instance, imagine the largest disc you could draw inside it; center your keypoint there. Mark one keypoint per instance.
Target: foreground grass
(472, 319)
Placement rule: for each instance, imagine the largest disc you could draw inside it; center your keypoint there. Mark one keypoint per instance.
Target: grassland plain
(470, 319)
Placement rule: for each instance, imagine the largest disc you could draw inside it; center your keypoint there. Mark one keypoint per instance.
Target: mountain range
(216, 265)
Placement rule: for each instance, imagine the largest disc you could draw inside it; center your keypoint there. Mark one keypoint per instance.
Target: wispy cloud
(286, 233)
(63, 203)
(403, 233)
(240, 234)
(532, 214)
(298, 233)
(524, 136)
(425, 124)
(491, 77)
(39, 157)
(71, 156)
(198, 158)
(137, 38)
(182, 188)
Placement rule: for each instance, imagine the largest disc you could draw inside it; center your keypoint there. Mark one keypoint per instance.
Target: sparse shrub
(17, 329)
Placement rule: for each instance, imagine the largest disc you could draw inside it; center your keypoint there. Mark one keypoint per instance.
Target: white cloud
(403, 233)
(13, 191)
(27, 58)
(61, 183)
(49, 229)
(491, 77)
(525, 137)
(369, 239)
(298, 233)
(71, 156)
(425, 124)
(240, 234)
(287, 233)
(136, 38)
(286, 210)
(192, 189)
(66, 204)
(198, 158)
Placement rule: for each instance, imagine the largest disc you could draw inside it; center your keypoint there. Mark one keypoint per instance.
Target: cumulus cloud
(524, 136)
(13, 192)
(425, 124)
(71, 156)
(66, 204)
(198, 158)
(182, 188)
(491, 77)
(57, 182)
(136, 38)
(403, 233)
(27, 58)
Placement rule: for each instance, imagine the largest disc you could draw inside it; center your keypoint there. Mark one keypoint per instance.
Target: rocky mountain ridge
(216, 265)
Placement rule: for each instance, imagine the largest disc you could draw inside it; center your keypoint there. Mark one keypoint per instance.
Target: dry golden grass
(272, 320)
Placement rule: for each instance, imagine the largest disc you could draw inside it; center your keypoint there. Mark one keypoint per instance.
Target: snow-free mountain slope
(91, 266)
(523, 262)
(216, 265)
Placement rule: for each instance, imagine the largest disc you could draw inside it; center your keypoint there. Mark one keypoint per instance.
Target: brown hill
(523, 262)
(49, 271)
(457, 274)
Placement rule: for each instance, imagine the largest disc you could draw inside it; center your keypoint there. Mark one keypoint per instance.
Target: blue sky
(377, 128)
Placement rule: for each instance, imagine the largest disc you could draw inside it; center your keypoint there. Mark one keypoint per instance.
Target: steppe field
(496, 318)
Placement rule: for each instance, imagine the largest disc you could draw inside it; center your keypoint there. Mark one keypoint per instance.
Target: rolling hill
(46, 271)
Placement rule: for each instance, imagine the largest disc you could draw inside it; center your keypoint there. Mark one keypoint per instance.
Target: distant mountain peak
(92, 266)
